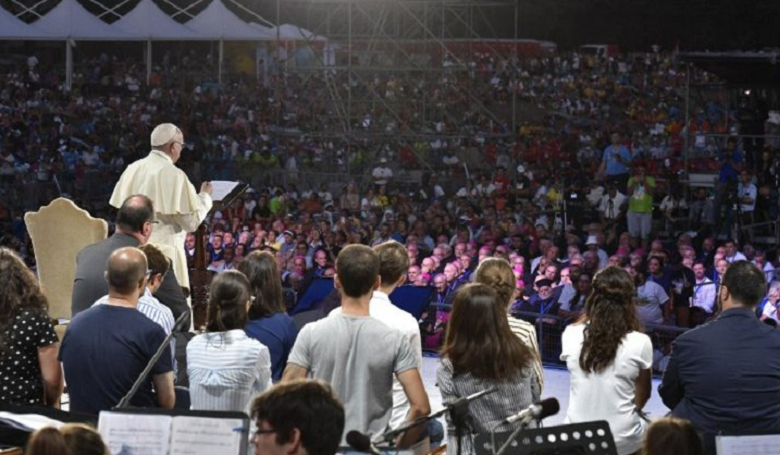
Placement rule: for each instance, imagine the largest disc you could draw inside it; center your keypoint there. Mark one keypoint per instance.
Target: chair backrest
(58, 232)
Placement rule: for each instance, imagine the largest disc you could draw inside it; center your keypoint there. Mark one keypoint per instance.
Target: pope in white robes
(179, 209)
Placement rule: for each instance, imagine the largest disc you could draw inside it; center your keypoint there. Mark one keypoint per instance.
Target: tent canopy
(70, 20)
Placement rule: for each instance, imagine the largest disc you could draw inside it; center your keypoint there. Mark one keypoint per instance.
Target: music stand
(591, 438)
(412, 299)
(319, 288)
(201, 277)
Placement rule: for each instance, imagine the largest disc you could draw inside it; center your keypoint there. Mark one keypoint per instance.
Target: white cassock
(178, 208)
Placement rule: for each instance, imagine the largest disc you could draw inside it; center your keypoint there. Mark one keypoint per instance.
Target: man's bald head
(126, 271)
(135, 212)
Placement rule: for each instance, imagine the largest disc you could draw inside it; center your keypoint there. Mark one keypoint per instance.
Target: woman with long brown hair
(28, 345)
(481, 352)
(226, 367)
(268, 321)
(498, 274)
(609, 360)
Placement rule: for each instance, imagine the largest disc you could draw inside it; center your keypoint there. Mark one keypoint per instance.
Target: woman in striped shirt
(498, 274)
(480, 352)
(226, 367)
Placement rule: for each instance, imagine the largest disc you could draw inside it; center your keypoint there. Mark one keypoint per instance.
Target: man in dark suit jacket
(133, 228)
(725, 375)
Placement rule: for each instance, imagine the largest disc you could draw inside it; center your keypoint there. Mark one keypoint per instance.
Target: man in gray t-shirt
(358, 355)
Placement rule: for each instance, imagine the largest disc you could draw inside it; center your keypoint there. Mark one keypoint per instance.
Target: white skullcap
(163, 134)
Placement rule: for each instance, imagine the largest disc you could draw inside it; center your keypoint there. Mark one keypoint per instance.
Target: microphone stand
(458, 412)
(125, 401)
(512, 437)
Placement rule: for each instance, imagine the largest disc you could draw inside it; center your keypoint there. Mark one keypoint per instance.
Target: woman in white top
(609, 360)
(227, 369)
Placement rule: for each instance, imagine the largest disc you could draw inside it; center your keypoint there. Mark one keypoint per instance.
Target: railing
(549, 329)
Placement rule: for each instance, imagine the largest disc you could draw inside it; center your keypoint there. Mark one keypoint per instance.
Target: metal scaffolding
(424, 40)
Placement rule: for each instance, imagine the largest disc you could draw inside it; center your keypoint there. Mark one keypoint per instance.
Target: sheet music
(30, 422)
(221, 188)
(748, 445)
(205, 436)
(135, 434)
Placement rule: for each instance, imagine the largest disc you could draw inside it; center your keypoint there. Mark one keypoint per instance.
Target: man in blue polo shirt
(616, 160)
(731, 163)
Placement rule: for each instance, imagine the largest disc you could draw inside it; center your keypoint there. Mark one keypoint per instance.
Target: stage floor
(556, 384)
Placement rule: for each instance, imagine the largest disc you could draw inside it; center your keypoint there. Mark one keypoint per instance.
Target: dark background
(633, 24)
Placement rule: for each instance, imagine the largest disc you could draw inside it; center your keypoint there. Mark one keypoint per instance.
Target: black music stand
(591, 438)
(412, 299)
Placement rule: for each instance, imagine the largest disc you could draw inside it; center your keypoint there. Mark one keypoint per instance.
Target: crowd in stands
(578, 212)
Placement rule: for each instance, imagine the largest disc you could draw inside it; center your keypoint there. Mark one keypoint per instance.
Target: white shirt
(671, 204)
(608, 395)
(611, 212)
(383, 310)
(485, 190)
(738, 256)
(704, 295)
(750, 191)
(227, 370)
(769, 271)
(770, 312)
(650, 297)
(381, 175)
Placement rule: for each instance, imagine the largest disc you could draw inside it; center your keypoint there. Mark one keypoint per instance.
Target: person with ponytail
(609, 360)
(268, 321)
(498, 275)
(71, 439)
(227, 369)
(480, 352)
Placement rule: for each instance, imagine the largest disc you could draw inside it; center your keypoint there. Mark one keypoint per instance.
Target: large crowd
(578, 209)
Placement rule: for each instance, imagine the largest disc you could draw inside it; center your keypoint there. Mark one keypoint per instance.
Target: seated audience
(227, 368)
(106, 347)
(29, 347)
(268, 321)
(609, 360)
(359, 355)
(300, 417)
(503, 362)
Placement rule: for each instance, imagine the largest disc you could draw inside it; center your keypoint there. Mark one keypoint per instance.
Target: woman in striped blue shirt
(226, 367)
(480, 352)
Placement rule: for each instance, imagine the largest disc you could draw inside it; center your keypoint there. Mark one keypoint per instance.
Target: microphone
(537, 411)
(361, 442)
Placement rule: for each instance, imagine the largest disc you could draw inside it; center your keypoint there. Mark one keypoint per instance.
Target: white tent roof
(293, 32)
(147, 21)
(217, 21)
(12, 27)
(69, 20)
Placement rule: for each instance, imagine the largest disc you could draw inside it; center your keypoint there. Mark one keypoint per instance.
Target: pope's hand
(206, 187)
